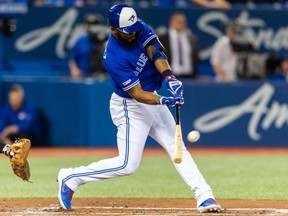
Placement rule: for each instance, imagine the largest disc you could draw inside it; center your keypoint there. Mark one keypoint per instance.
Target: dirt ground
(175, 207)
(155, 207)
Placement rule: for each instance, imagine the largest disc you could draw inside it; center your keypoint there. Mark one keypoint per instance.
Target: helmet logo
(132, 18)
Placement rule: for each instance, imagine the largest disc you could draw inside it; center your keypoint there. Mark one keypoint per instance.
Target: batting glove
(170, 101)
(174, 86)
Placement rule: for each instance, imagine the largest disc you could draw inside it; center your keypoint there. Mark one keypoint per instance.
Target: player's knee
(130, 169)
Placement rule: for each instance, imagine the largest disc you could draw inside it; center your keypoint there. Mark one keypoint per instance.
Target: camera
(8, 26)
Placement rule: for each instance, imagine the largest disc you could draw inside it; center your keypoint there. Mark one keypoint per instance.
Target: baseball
(193, 136)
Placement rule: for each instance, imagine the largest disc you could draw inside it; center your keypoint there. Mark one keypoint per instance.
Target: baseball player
(137, 64)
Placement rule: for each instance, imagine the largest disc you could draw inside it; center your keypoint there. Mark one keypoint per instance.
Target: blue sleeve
(123, 76)
(147, 34)
(79, 47)
(73, 52)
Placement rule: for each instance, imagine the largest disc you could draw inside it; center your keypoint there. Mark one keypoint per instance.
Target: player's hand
(174, 86)
(171, 101)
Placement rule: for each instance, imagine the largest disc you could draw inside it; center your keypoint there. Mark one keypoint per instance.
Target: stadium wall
(241, 114)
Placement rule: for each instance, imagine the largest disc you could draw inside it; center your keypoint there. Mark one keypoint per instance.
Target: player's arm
(142, 96)
(157, 54)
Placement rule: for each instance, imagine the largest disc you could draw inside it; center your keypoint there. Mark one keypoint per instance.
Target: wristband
(166, 73)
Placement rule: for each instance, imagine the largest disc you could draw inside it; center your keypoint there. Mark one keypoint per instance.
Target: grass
(256, 177)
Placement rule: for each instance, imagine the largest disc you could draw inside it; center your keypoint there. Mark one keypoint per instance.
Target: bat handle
(178, 137)
(177, 109)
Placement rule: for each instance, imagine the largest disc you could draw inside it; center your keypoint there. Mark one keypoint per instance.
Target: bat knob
(177, 160)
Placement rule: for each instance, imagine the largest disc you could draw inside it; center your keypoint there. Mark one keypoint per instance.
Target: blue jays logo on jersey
(132, 18)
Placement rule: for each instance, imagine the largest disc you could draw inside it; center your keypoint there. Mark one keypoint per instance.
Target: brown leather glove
(18, 153)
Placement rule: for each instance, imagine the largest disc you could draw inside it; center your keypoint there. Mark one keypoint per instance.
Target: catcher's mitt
(18, 152)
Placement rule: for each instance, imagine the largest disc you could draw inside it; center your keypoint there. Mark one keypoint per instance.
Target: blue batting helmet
(123, 18)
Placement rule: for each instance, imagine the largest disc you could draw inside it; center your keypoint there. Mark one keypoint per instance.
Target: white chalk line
(168, 209)
(53, 210)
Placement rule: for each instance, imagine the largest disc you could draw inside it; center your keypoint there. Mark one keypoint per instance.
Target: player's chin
(131, 40)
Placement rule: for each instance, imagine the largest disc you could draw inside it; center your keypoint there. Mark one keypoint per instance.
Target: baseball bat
(178, 137)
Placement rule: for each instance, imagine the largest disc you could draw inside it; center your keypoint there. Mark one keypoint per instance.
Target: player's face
(129, 40)
(128, 37)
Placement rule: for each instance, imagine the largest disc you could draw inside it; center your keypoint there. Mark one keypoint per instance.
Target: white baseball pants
(135, 121)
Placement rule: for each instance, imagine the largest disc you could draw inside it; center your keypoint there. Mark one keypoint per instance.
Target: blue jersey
(129, 66)
(80, 53)
(26, 118)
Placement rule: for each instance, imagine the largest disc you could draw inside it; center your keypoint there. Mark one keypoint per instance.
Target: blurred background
(38, 46)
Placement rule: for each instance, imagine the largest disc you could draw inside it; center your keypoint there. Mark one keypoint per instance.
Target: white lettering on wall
(262, 116)
(255, 29)
(61, 28)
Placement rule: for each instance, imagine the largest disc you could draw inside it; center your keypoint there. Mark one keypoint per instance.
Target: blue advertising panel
(1, 91)
(50, 39)
(250, 114)
(241, 114)
(73, 112)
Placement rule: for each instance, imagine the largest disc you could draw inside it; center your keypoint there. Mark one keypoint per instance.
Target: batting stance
(137, 64)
